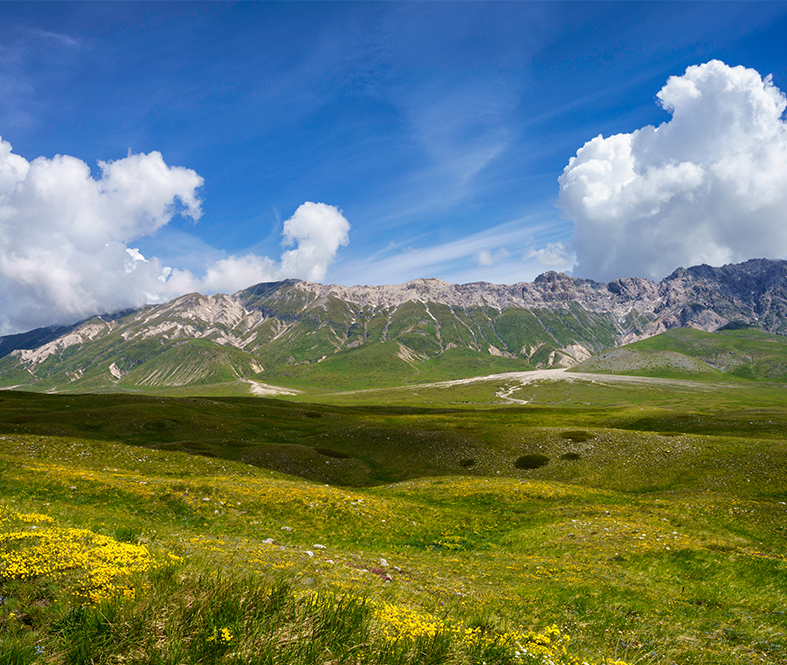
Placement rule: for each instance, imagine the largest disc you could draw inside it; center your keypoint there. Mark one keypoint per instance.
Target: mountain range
(330, 336)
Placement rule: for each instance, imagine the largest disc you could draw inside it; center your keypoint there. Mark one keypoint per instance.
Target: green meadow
(592, 521)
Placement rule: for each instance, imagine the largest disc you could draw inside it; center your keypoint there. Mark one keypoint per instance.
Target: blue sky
(439, 130)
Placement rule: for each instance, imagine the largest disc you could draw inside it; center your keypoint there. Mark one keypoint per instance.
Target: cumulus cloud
(707, 186)
(63, 233)
(65, 238)
(316, 229)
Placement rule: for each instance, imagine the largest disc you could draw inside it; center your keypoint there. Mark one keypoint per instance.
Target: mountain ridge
(271, 329)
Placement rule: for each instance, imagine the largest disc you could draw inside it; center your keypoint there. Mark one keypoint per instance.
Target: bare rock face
(554, 321)
(703, 297)
(754, 292)
(79, 334)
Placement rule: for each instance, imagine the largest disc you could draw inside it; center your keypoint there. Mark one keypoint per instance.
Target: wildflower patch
(91, 566)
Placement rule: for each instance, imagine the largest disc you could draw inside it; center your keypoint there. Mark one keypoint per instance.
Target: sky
(151, 150)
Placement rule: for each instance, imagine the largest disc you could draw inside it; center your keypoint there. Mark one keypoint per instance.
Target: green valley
(556, 473)
(602, 521)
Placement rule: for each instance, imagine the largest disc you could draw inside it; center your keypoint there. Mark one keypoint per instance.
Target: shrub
(328, 452)
(578, 435)
(572, 457)
(467, 463)
(532, 461)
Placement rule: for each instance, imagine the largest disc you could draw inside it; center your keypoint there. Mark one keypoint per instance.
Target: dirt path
(523, 378)
(267, 390)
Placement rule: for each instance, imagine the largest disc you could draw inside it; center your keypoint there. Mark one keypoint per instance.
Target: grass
(737, 353)
(653, 533)
(629, 431)
(371, 366)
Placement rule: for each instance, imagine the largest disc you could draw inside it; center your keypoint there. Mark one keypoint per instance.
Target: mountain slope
(732, 353)
(363, 336)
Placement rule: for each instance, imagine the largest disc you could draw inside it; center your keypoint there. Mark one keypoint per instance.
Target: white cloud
(63, 233)
(487, 258)
(13, 168)
(554, 256)
(237, 272)
(316, 229)
(707, 186)
(64, 239)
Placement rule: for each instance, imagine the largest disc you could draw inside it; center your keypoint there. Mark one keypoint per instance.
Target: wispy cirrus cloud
(461, 126)
(57, 37)
(500, 254)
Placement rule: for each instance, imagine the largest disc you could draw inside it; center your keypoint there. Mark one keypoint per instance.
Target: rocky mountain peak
(552, 277)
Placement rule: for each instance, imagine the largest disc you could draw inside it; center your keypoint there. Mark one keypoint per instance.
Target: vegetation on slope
(324, 337)
(387, 364)
(291, 336)
(734, 353)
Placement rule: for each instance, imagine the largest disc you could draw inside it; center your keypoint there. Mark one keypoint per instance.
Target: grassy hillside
(372, 439)
(444, 570)
(387, 365)
(642, 523)
(743, 353)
